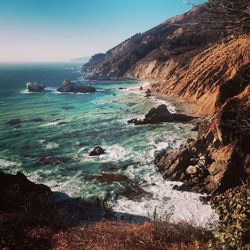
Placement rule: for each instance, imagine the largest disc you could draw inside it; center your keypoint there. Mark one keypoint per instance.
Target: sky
(60, 30)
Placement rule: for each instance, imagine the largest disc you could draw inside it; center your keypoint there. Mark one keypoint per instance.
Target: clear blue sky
(58, 30)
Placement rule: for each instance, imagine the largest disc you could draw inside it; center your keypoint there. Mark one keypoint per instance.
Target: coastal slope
(200, 63)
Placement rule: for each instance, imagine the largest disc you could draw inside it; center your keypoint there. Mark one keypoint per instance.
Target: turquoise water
(71, 125)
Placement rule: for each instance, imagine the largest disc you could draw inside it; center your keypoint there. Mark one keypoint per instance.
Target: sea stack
(69, 86)
(34, 87)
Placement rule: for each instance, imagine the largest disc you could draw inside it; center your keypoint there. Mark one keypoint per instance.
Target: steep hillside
(183, 57)
(174, 37)
(197, 77)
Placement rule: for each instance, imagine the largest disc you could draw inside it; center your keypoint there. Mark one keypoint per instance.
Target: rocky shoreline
(33, 217)
(216, 161)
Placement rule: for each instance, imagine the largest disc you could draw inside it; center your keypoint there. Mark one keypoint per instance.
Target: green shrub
(234, 213)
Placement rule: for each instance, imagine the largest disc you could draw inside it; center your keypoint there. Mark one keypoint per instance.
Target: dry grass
(110, 235)
(28, 220)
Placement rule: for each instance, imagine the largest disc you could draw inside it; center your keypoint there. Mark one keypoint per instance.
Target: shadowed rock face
(221, 153)
(20, 188)
(69, 86)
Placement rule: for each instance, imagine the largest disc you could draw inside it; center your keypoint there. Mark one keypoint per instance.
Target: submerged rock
(161, 114)
(14, 122)
(68, 107)
(97, 151)
(34, 87)
(69, 86)
(38, 119)
(135, 193)
(49, 160)
(110, 178)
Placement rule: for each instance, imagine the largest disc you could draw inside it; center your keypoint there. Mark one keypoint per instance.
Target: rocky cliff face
(186, 57)
(176, 36)
(220, 158)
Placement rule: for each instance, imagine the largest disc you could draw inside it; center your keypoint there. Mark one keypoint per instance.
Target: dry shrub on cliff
(233, 14)
(119, 235)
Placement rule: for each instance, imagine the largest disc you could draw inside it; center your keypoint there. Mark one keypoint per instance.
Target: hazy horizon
(58, 31)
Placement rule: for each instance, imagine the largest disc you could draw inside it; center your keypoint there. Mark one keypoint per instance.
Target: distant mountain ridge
(174, 36)
(81, 59)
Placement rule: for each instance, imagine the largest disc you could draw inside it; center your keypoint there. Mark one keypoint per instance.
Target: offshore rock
(69, 86)
(35, 87)
(97, 151)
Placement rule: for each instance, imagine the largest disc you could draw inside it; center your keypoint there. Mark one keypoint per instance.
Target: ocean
(66, 127)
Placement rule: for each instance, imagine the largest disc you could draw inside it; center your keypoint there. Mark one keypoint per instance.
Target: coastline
(180, 105)
(140, 170)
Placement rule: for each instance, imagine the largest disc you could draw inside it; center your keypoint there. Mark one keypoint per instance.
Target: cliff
(184, 57)
(190, 58)
(30, 218)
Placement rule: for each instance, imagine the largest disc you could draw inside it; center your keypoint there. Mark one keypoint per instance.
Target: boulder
(34, 87)
(148, 93)
(69, 86)
(97, 151)
(191, 170)
(49, 160)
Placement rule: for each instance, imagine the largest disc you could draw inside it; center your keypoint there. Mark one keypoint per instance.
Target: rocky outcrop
(219, 158)
(16, 190)
(161, 114)
(69, 86)
(35, 87)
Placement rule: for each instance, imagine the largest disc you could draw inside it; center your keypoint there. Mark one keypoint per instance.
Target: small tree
(232, 14)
